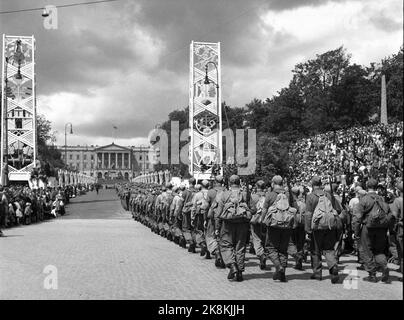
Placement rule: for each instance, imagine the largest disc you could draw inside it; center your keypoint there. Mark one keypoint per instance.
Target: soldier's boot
(191, 248)
(232, 272)
(263, 262)
(219, 262)
(203, 251)
(239, 276)
(386, 276)
(276, 275)
(299, 264)
(183, 243)
(371, 278)
(176, 240)
(334, 275)
(162, 233)
(208, 256)
(282, 275)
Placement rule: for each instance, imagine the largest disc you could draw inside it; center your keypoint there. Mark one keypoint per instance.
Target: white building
(109, 162)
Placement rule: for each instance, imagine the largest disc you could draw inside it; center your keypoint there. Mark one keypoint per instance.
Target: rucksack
(214, 205)
(257, 217)
(202, 205)
(377, 217)
(235, 208)
(166, 203)
(280, 214)
(324, 215)
(301, 212)
(188, 202)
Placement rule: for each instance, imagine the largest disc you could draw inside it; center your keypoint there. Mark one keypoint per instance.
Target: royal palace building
(109, 162)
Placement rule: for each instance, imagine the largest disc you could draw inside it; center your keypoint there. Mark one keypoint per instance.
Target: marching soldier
(175, 214)
(279, 231)
(370, 223)
(199, 211)
(258, 229)
(188, 231)
(212, 240)
(296, 246)
(321, 229)
(233, 225)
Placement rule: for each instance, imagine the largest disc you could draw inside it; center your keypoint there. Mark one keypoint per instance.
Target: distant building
(109, 162)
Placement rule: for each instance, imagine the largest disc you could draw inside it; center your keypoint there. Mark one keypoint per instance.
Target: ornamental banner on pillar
(18, 134)
(205, 114)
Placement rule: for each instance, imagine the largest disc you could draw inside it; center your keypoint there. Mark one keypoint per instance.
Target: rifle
(288, 178)
(248, 191)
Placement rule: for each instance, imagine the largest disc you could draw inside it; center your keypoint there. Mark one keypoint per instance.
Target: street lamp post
(71, 132)
(207, 82)
(4, 128)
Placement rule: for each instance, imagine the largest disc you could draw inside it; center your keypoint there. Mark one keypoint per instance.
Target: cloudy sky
(126, 63)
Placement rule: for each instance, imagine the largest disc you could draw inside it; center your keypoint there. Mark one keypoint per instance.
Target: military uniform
(200, 206)
(258, 230)
(211, 237)
(322, 242)
(374, 241)
(187, 228)
(277, 239)
(233, 233)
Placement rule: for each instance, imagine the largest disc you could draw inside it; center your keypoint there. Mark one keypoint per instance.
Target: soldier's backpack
(235, 207)
(300, 214)
(257, 217)
(325, 217)
(378, 217)
(202, 205)
(187, 207)
(214, 205)
(280, 215)
(165, 204)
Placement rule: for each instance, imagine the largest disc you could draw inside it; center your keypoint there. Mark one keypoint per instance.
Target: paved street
(101, 253)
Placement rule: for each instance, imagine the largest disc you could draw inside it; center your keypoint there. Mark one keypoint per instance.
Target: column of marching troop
(276, 221)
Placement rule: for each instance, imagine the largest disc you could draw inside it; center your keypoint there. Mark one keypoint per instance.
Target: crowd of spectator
(351, 156)
(21, 205)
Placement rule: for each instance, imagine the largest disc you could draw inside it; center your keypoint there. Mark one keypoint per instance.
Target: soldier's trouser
(233, 240)
(296, 243)
(276, 245)
(178, 227)
(2, 219)
(258, 234)
(393, 246)
(187, 229)
(323, 243)
(211, 241)
(374, 244)
(199, 231)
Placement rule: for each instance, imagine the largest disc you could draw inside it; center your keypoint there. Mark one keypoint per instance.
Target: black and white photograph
(201, 155)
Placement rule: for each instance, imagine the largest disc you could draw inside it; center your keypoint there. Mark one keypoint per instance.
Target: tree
(48, 154)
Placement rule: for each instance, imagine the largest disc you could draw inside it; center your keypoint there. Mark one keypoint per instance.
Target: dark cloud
(385, 23)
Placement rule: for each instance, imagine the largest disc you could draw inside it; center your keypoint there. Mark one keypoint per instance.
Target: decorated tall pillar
(205, 112)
